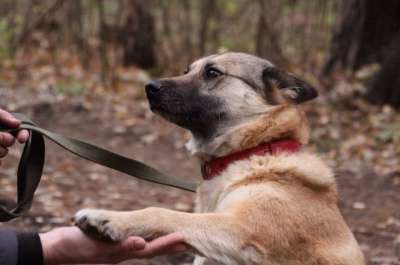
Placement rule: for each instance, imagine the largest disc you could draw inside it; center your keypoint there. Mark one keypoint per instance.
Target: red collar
(215, 166)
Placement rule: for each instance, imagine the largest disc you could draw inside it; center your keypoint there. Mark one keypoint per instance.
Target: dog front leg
(217, 236)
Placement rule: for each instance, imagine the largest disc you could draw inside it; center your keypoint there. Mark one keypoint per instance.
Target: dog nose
(153, 87)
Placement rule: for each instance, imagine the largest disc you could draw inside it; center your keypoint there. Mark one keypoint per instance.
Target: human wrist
(53, 246)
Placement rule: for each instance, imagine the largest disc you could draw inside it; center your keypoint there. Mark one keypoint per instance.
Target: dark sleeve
(8, 248)
(20, 249)
(29, 249)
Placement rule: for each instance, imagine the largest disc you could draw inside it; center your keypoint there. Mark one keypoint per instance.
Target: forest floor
(359, 141)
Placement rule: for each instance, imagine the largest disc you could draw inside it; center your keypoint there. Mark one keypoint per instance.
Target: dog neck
(281, 122)
(216, 166)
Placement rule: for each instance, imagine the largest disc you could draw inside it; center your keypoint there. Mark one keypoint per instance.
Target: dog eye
(212, 73)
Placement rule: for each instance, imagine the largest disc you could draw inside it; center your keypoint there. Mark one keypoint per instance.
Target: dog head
(220, 92)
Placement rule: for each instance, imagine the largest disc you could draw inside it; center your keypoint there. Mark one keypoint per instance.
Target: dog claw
(97, 224)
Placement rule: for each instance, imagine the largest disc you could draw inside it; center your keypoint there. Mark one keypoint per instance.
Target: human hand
(69, 245)
(7, 139)
(164, 245)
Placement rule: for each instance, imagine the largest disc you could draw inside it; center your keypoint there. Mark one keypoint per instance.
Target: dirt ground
(349, 135)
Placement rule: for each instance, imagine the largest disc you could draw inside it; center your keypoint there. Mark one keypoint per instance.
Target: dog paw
(100, 224)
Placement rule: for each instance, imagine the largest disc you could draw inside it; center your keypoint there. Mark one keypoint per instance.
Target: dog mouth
(188, 109)
(176, 111)
(166, 104)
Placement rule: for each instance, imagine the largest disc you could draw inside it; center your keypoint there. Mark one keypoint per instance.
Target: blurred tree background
(79, 66)
(101, 37)
(162, 36)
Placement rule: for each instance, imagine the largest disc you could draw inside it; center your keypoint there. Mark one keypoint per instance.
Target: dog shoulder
(304, 168)
(308, 168)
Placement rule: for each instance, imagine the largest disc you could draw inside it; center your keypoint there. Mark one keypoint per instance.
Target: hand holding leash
(32, 161)
(59, 246)
(8, 139)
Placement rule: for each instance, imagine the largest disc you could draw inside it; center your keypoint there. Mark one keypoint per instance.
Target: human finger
(3, 151)
(8, 120)
(6, 140)
(23, 136)
(116, 252)
(170, 243)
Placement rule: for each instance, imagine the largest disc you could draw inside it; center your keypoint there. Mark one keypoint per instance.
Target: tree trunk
(267, 37)
(75, 29)
(363, 34)
(139, 36)
(385, 87)
(187, 31)
(206, 13)
(369, 32)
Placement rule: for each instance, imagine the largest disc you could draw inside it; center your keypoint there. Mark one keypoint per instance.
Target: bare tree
(75, 25)
(363, 34)
(206, 13)
(187, 30)
(106, 75)
(32, 22)
(139, 36)
(385, 86)
(369, 31)
(267, 37)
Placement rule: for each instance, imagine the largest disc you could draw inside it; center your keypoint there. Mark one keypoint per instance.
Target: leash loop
(31, 164)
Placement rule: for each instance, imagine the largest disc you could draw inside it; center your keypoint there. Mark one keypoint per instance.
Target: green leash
(31, 164)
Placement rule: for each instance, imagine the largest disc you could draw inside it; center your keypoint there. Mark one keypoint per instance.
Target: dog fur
(272, 209)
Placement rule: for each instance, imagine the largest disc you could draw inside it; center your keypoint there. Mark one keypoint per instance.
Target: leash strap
(31, 164)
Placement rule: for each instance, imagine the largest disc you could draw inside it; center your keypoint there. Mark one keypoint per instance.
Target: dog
(262, 201)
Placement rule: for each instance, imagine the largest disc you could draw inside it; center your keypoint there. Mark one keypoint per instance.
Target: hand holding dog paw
(69, 245)
(100, 224)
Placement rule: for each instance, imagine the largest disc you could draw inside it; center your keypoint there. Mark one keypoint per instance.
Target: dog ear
(291, 87)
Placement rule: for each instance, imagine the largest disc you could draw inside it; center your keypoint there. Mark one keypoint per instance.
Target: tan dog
(263, 202)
